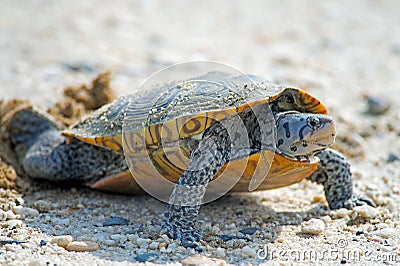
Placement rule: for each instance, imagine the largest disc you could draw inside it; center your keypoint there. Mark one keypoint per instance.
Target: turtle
(288, 136)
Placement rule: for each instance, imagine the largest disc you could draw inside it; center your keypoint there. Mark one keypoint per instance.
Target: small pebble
(19, 238)
(386, 232)
(85, 231)
(26, 245)
(19, 201)
(227, 238)
(119, 238)
(240, 212)
(387, 249)
(162, 245)
(318, 198)
(382, 226)
(171, 248)
(247, 251)
(62, 241)
(78, 67)
(215, 229)
(189, 244)
(392, 158)
(199, 249)
(231, 226)
(58, 227)
(207, 226)
(109, 242)
(62, 221)
(358, 233)
(230, 243)
(146, 257)
(108, 230)
(165, 238)
(342, 213)
(191, 251)
(12, 247)
(142, 242)
(326, 219)
(26, 212)
(82, 246)
(220, 252)
(11, 215)
(366, 211)
(376, 105)
(106, 254)
(197, 260)
(377, 239)
(132, 237)
(116, 221)
(181, 250)
(250, 230)
(42, 206)
(84, 238)
(14, 223)
(313, 226)
(3, 215)
(154, 245)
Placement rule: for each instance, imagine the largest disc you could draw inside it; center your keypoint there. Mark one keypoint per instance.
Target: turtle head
(303, 134)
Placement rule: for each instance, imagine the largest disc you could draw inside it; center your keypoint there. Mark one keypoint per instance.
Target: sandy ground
(337, 50)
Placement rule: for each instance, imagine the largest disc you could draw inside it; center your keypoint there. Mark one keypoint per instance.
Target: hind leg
(53, 158)
(334, 174)
(43, 153)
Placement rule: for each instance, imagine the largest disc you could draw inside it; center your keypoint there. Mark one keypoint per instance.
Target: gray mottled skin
(334, 174)
(212, 153)
(44, 153)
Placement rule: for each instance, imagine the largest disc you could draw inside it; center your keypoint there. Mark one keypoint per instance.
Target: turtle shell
(181, 111)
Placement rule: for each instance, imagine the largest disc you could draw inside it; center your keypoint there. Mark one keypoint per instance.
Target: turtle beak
(325, 135)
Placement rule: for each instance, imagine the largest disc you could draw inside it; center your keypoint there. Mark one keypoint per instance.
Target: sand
(339, 51)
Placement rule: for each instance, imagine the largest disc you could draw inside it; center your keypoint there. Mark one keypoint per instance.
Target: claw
(188, 237)
(189, 244)
(358, 200)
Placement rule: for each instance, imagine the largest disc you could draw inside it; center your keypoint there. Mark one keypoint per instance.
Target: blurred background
(336, 48)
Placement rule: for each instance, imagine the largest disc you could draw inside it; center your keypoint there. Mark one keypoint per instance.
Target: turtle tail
(23, 124)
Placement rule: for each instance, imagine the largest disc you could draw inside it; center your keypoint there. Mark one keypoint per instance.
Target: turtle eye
(314, 122)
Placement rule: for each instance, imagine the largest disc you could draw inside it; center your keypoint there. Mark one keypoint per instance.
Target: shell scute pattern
(178, 111)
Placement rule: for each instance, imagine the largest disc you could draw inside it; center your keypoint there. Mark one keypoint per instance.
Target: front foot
(333, 172)
(188, 236)
(179, 224)
(358, 200)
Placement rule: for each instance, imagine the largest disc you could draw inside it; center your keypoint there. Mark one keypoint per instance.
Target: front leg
(184, 203)
(334, 174)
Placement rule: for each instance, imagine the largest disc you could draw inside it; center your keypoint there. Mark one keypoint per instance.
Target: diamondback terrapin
(288, 133)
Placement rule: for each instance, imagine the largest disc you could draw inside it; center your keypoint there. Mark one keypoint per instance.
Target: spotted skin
(303, 134)
(41, 144)
(185, 201)
(333, 172)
